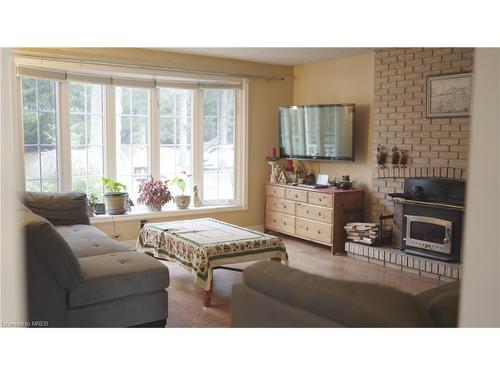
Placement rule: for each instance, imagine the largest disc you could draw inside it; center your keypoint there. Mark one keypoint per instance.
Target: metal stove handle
(447, 238)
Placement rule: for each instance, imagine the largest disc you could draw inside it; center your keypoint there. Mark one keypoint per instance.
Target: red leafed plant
(154, 193)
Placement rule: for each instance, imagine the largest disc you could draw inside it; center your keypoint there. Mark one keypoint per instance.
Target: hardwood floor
(185, 299)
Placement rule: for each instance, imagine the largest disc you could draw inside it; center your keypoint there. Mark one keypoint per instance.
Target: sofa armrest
(351, 304)
(58, 208)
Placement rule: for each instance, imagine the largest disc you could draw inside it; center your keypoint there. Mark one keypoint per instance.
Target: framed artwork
(449, 95)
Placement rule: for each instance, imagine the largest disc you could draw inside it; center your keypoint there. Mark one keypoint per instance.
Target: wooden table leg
(207, 298)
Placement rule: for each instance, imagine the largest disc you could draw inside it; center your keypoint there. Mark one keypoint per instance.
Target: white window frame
(152, 163)
(65, 131)
(20, 134)
(194, 81)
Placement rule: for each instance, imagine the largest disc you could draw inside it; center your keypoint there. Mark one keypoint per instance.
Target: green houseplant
(92, 201)
(116, 196)
(181, 200)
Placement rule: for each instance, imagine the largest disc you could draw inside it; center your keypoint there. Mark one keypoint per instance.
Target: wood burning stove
(430, 213)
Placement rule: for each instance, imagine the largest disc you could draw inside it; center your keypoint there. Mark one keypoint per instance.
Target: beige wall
(346, 80)
(480, 297)
(264, 98)
(12, 257)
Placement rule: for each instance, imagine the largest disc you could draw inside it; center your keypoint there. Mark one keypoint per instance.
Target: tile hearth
(399, 260)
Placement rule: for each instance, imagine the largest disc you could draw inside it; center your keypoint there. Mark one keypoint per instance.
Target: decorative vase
(196, 196)
(154, 208)
(182, 201)
(274, 171)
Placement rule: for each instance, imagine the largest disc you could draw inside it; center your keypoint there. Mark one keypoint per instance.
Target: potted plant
(92, 202)
(154, 194)
(116, 196)
(181, 200)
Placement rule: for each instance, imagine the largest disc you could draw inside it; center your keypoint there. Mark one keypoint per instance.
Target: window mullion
(110, 134)
(20, 134)
(64, 141)
(241, 136)
(197, 149)
(154, 134)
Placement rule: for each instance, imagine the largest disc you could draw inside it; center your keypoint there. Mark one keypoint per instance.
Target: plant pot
(156, 208)
(182, 201)
(116, 203)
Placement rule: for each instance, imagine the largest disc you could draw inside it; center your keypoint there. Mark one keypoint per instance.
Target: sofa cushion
(427, 296)
(351, 304)
(442, 304)
(59, 208)
(110, 276)
(46, 244)
(86, 241)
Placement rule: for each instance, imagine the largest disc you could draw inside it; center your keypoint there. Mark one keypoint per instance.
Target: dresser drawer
(320, 199)
(280, 205)
(273, 220)
(317, 213)
(280, 222)
(275, 191)
(287, 223)
(314, 230)
(296, 195)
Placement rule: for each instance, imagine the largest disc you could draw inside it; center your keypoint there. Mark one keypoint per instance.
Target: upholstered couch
(274, 295)
(79, 277)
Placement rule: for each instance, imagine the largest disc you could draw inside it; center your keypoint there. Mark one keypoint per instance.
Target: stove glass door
(428, 233)
(421, 230)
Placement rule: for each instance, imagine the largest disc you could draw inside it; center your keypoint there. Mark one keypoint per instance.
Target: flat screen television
(322, 132)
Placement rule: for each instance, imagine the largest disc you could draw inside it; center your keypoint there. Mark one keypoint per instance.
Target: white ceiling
(279, 56)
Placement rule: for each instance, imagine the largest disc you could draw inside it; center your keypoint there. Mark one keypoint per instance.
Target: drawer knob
(284, 223)
(319, 199)
(307, 228)
(319, 232)
(319, 213)
(284, 206)
(307, 211)
(274, 220)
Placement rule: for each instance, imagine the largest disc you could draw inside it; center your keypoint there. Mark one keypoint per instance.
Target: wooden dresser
(318, 215)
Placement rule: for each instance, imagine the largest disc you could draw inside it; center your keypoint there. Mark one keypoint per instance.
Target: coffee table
(203, 245)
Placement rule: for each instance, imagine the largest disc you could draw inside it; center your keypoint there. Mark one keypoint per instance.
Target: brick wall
(436, 147)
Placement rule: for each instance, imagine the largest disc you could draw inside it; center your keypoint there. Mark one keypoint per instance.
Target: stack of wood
(368, 233)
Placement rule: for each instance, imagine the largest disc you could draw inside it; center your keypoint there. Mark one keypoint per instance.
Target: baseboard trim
(258, 228)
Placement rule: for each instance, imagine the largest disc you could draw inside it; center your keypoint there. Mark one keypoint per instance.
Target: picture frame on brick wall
(449, 95)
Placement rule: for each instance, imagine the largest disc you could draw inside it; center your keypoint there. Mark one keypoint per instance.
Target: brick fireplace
(436, 147)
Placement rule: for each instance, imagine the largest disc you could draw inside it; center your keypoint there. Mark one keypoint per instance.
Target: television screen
(317, 132)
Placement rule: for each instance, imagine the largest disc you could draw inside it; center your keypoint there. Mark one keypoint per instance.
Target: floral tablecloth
(200, 245)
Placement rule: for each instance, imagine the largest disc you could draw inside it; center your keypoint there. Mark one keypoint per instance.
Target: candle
(273, 152)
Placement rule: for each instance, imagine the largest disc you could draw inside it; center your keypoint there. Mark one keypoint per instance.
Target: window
(87, 131)
(176, 129)
(80, 128)
(39, 99)
(132, 138)
(218, 145)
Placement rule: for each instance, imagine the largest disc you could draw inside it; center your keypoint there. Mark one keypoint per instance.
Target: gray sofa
(274, 295)
(79, 277)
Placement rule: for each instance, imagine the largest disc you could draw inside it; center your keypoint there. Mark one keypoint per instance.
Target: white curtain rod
(150, 67)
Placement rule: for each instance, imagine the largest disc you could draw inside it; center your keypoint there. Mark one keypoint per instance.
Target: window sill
(169, 212)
